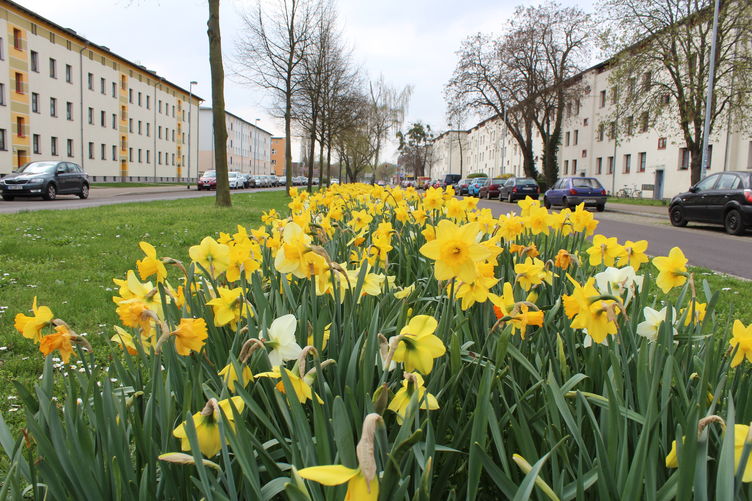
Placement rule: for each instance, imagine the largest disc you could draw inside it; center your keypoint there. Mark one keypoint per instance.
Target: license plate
(589, 200)
(15, 187)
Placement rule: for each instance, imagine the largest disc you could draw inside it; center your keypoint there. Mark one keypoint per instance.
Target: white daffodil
(653, 320)
(281, 340)
(618, 280)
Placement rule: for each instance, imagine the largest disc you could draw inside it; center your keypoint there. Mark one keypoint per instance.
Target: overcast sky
(410, 42)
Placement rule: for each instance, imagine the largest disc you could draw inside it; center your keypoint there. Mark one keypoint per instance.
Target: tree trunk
(312, 151)
(695, 154)
(550, 163)
(218, 106)
(288, 146)
(321, 164)
(329, 162)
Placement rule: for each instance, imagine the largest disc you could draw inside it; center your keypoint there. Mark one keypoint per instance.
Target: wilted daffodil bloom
(229, 307)
(455, 251)
(211, 255)
(741, 340)
(410, 384)
(206, 423)
(672, 270)
(230, 376)
(418, 345)
(190, 336)
(150, 264)
(61, 341)
(281, 339)
(31, 327)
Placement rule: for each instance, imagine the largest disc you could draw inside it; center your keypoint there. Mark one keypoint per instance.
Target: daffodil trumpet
(75, 338)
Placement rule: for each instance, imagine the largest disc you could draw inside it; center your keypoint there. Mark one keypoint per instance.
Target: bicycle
(627, 192)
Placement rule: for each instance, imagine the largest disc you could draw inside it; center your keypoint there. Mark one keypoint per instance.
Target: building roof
(208, 108)
(88, 43)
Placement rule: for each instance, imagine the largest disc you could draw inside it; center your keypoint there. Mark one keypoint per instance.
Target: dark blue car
(572, 191)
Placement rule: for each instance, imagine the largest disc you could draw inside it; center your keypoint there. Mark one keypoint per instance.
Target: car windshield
(38, 168)
(585, 182)
(497, 181)
(526, 181)
(210, 173)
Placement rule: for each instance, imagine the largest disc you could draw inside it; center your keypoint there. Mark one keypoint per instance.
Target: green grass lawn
(68, 259)
(638, 201)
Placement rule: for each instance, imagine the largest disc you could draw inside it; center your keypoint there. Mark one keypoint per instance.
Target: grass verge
(68, 259)
(638, 201)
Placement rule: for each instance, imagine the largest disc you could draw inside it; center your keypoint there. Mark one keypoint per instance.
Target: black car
(517, 188)
(450, 180)
(46, 180)
(724, 198)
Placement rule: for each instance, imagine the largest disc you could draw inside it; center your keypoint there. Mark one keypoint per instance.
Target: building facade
(248, 146)
(63, 97)
(449, 154)
(278, 155)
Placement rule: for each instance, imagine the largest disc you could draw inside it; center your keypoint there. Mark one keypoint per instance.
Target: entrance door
(658, 187)
(20, 158)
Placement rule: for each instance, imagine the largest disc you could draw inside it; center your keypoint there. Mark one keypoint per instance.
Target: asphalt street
(706, 246)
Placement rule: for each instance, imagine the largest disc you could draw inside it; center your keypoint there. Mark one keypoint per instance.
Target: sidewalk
(133, 190)
(654, 211)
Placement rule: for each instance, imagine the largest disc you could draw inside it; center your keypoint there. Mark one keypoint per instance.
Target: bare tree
(218, 105)
(276, 38)
(387, 107)
(661, 57)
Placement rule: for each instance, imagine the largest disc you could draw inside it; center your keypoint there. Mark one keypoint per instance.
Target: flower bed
(402, 347)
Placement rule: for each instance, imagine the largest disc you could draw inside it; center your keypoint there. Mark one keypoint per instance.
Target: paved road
(707, 246)
(109, 196)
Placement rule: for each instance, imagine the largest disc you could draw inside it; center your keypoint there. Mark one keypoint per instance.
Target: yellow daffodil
(190, 336)
(244, 259)
(405, 292)
(433, 199)
(418, 345)
(31, 327)
(583, 220)
(741, 340)
(510, 226)
(477, 291)
(604, 250)
(672, 270)
(521, 317)
(360, 219)
(295, 256)
(527, 205)
(60, 341)
(413, 382)
(229, 307)
(634, 254)
(455, 210)
(695, 312)
(740, 436)
(672, 460)
(125, 340)
(230, 376)
(455, 251)
(269, 216)
(419, 216)
(211, 256)
(206, 424)
(301, 385)
(531, 272)
(325, 340)
(357, 487)
(563, 259)
(537, 219)
(150, 264)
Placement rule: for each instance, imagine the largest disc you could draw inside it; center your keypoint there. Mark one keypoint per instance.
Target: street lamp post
(255, 143)
(190, 105)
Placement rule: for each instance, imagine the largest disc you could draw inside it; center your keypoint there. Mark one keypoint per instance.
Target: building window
(630, 125)
(173, 116)
(173, 159)
(148, 106)
(17, 39)
(52, 37)
(4, 146)
(602, 102)
(139, 155)
(585, 121)
(566, 166)
(584, 153)
(148, 157)
(34, 102)
(576, 137)
(102, 86)
(614, 94)
(130, 96)
(646, 81)
(114, 89)
(103, 151)
(53, 107)
(665, 99)
(599, 165)
(160, 106)
(91, 150)
(122, 82)
(644, 122)
(643, 159)
(139, 127)
(159, 157)
(2, 94)
(53, 146)
(114, 152)
(20, 124)
(601, 131)
(68, 44)
(566, 140)
(91, 116)
(139, 99)
(35, 147)
(130, 126)
(710, 156)
(69, 147)
(159, 131)
(69, 73)
(610, 165)
(627, 163)
(2, 48)
(103, 118)
(114, 121)
(34, 61)
(90, 81)
(53, 68)
(173, 135)
(69, 110)
(130, 155)
(683, 159)
(148, 129)
(661, 143)
(19, 83)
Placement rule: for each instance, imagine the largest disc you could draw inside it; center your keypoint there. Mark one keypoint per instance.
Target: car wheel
(509, 198)
(677, 217)
(50, 193)
(600, 208)
(8, 198)
(488, 195)
(84, 192)
(564, 204)
(733, 222)
(546, 203)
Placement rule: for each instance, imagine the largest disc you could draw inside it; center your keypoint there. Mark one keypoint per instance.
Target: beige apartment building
(63, 97)
(248, 146)
(449, 154)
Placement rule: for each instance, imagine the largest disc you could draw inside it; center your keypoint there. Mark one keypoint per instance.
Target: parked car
(491, 190)
(517, 188)
(475, 186)
(46, 180)
(281, 180)
(235, 180)
(461, 187)
(422, 182)
(450, 180)
(572, 191)
(207, 180)
(334, 180)
(724, 198)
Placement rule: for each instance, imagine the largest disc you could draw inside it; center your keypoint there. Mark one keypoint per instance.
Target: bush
(408, 346)
(476, 175)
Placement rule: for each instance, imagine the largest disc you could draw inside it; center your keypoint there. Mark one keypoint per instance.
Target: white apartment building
(63, 97)
(249, 148)
(449, 154)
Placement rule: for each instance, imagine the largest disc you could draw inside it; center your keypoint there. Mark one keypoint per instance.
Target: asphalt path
(707, 246)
